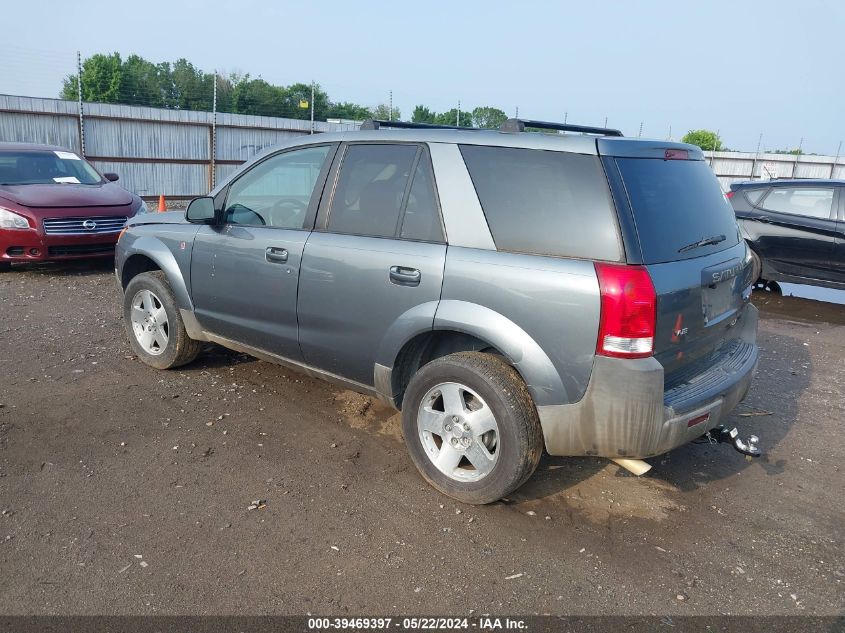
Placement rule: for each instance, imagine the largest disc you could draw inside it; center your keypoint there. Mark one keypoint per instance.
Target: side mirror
(111, 176)
(200, 210)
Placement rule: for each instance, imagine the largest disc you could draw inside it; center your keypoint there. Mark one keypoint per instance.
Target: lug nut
(448, 427)
(466, 427)
(454, 418)
(465, 441)
(454, 441)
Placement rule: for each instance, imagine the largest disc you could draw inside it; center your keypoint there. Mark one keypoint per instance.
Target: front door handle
(403, 276)
(276, 255)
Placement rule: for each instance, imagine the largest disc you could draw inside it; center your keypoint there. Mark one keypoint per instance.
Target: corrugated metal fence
(738, 166)
(158, 151)
(155, 151)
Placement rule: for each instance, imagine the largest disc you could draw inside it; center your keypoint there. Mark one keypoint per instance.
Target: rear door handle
(276, 255)
(403, 276)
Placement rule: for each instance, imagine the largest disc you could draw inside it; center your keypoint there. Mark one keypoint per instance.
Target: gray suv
(509, 291)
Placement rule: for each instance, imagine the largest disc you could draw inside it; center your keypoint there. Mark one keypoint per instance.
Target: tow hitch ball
(723, 435)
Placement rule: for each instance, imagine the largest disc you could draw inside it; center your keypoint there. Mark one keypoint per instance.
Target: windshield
(679, 208)
(45, 167)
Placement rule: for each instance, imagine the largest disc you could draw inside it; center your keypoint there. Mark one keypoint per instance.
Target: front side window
(46, 167)
(371, 189)
(813, 203)
(277, 191)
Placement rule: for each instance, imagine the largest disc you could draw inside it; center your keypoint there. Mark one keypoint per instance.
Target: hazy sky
(773, 66)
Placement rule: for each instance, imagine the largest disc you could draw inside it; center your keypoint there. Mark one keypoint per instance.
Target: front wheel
(5, 267)
(471, 427)
(154, 325)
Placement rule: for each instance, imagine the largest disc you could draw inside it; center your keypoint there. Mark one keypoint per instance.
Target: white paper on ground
(67, 180)
(66, 155)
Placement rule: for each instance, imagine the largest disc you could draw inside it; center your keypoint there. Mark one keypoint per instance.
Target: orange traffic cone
(161, 204)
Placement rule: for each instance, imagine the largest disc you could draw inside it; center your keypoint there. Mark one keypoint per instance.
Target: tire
(447, 409)
(5, 267)
(157, 333)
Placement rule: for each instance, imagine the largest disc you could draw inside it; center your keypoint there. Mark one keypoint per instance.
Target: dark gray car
(795, 229)
(508, 291)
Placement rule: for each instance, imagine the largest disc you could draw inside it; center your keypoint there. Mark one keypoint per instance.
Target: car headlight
(11, 220)
(143, 208)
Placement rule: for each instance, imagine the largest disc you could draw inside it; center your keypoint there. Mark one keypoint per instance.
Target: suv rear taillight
(729, 195)
(628, 311)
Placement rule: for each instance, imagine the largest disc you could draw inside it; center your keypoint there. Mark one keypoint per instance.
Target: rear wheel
(154, 325)
(5, 267)
(471, 427)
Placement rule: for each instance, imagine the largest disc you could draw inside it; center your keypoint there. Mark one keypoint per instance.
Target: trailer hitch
(724, 435)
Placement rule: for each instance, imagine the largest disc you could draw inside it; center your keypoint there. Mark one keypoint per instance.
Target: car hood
(57, 195)
(162, 217)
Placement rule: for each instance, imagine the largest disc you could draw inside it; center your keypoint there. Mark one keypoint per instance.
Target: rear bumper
(626, 412)
(33, 246)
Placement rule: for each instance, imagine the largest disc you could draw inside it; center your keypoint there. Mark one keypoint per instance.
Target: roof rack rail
(375, 124)
(519, 125)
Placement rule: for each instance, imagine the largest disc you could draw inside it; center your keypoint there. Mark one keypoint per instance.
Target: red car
(54, 205)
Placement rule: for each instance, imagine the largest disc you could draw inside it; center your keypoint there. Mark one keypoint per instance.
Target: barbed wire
(31, 69)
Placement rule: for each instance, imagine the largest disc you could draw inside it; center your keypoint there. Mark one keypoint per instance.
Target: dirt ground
(125, 490)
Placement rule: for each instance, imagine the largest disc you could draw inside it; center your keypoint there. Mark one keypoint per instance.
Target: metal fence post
(79, 103)
(212, 176)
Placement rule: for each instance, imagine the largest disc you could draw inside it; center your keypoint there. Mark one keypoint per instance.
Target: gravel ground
(125, 490)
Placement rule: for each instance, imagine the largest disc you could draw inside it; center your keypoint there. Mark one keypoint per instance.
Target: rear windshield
(677, 204)
(543, 202)
(45, 167)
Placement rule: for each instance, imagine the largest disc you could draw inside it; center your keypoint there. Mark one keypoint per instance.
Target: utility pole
(605, 121)
(756, 155)
(390, 107)
(458, 122)
(640, 133)
(516, 115)
(797, 157)
(669, 137)
(312, 106)
(835, 160)
(79, 102)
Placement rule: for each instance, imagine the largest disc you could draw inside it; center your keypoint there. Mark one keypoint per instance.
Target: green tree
(422, 114)
(100, 80)
(299, 92)
(192, 89)
(145, 83)
(349, 111)
(487, 117)
(451, 118)
(382, 112)
(705, 139)
(256, 96)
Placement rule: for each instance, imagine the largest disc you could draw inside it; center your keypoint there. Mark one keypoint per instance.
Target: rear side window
(543, 202)
(676, 205)
(370, 189)
(422, 213)
(813, 203)
(753, 195)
